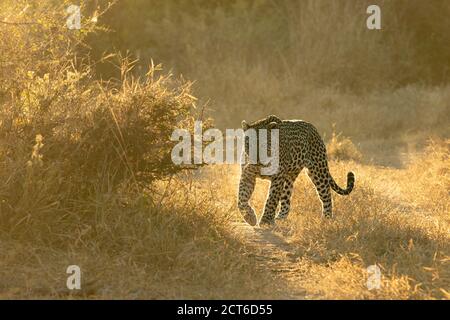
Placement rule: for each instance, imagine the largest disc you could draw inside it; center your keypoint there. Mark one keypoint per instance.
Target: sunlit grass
(86, 176)
(404, 232)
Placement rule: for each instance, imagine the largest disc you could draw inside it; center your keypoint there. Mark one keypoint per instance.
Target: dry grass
(388, 220)
(180, 243)
(173, 245)
(85, 176)
(410, 246)
(310, 59)
(342, 148)
(82, 170)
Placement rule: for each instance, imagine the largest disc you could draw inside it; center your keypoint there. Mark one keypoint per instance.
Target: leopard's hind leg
(320, 179)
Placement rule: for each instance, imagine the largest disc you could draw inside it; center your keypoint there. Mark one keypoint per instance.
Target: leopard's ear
(272, 125)
(244, 125)
(274, 118)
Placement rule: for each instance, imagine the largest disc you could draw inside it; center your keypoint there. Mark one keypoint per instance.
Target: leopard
(300, 146)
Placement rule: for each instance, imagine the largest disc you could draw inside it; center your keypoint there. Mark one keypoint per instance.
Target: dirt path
(276, 255)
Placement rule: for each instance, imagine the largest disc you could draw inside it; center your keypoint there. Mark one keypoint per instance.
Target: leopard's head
(268, 123)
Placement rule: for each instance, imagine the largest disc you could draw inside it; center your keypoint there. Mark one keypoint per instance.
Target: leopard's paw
(251, 219)
(266, 222)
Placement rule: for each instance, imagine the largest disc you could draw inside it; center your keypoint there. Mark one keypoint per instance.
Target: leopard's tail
(350, 184)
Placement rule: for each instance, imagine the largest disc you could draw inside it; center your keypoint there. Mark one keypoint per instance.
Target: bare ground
(275, 256)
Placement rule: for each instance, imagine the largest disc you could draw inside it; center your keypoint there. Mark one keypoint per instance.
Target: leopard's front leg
(246, 188)
(276, 187)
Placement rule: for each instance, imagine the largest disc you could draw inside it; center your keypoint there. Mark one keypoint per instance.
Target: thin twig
(18, 23)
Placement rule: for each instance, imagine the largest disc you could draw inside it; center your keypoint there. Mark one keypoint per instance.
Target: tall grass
(82, 170)
(85, 173)
(432, 177)
(313, 60)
